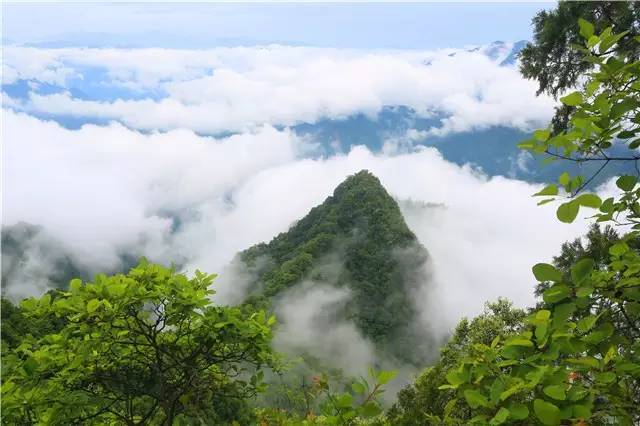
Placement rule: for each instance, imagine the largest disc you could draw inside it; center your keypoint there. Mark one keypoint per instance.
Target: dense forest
(356, 239)
(150, 346)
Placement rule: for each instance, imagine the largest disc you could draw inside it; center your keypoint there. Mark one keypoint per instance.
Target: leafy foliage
(551, 58)
(564, 365)
(578, 357)
(606, 112)
(423, 402)
(143, 348)
(15, 325)
(358, 404)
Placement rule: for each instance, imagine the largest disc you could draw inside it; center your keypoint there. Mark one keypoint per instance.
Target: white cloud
(42, 65)
(307, 314)
(235, 89)
(103, 190)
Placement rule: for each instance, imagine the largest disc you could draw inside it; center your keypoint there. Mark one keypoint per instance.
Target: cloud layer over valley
(180, 197)
(236, 89)
(188, 156)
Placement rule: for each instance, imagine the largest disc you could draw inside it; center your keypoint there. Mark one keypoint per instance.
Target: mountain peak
(356, 239)
(362, 177)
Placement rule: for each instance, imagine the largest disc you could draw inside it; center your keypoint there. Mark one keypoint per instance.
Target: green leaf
(385, 377)
(448, 408)
(546, 272)
(527, 145)
(518, 341)
(475, 399)
(626, 182)
(454, 378)
(543, 315)
(582, 411)
(577, 392)
(545, 201)
(607, 205)
(561, 313)
(75, 285)
(358, 387)
(556, 392)
(501, 416)
(547, 191)
(599, 334)
(117, 289)
(585, 324)
(564, 179)
(371, 409)
(589, 200)
(548, 413)
(587, 361)
(556, 293)
(572, 99)
(541, 333)
(618, 249)
(582, 270)
(609, 41)
(512, 390)
(519, 411)
(626, 134)
(568, 212)
(495, 341)
(45, 301)
(584, 291)
(607, 377)
(541, 134)
(586, 28)
(92, 305)
(30, 365)
(344, 401)
(497, 387)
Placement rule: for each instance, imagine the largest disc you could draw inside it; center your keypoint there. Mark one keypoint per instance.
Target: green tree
(578, 358)
(16, 326)
(358, 403)
(595, 245)
(423, 402)
(552, 59)
(148, 347)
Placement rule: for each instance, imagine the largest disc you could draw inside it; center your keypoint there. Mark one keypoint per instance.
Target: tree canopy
(147, 347)
(578, 357)
(552, 59)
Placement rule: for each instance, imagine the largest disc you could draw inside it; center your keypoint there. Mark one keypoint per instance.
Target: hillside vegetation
(150, 347)
(358, 239)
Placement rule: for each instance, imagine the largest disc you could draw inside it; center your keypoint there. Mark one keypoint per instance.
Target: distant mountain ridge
(356, 239)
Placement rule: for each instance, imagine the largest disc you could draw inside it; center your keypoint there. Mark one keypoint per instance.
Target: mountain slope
(33, 261)
(358, 239)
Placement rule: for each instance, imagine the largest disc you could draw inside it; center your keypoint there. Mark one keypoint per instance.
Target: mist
(197, 201)
(194, 161)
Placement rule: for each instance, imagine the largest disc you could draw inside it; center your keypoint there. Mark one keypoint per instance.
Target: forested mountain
(34, 259)
(356, 239)
(153, 346)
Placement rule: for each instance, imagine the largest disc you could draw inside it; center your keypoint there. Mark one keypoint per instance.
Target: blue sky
(354, 25)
